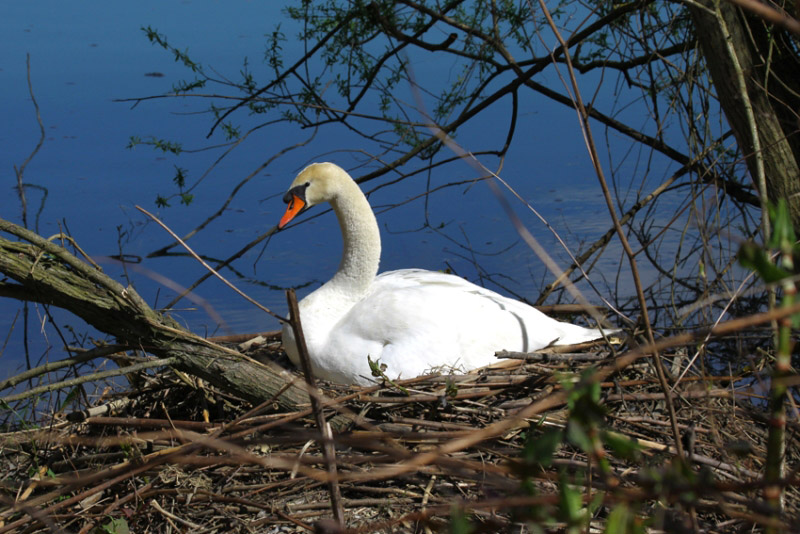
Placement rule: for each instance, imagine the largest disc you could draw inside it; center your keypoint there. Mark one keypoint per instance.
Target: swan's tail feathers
(574, 335)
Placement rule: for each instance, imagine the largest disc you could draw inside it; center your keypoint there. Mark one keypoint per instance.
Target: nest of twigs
(460, 453)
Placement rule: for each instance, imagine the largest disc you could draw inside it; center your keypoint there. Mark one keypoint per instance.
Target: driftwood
(44, 272)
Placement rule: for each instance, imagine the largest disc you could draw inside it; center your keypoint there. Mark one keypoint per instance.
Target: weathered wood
(771, 69)
(47, 273)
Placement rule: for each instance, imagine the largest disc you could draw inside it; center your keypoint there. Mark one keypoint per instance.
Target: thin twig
(21, 170)
(207, 266)
(98, 352)
(588, 137)
(172, 516)
(328, 450)
(222, 209)
(90, 378)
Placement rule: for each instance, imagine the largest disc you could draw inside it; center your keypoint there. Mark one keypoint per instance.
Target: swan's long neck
(362, 243)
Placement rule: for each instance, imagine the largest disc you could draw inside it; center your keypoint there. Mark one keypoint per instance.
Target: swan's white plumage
(412, 320)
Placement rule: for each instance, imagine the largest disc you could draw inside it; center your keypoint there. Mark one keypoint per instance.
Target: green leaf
(578, 436)
(783, 236)
(571, 503)
(184, 86)
(451, 389)
(133, 141)
(619, 519)
(231, 131)
(114, 526)
(376, 367)
(71, 396)
(541, 449)
(621, 446)
(459, 521)
(596, 503)
(166, 146)
(180, 176)
(756, 258)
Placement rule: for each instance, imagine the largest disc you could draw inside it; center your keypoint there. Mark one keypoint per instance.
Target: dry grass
(175, 455)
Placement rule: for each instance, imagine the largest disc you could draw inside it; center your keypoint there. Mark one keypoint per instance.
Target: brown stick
(587, 131)
(770, 14)
(328, 450)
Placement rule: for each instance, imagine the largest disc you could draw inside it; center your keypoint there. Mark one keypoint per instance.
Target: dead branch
(47, 273)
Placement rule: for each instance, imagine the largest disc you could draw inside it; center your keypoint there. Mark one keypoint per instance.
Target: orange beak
(295, 206)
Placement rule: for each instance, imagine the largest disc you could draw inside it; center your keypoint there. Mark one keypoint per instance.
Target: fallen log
(39, 270)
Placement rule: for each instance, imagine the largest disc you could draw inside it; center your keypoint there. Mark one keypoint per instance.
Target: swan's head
(317, 183)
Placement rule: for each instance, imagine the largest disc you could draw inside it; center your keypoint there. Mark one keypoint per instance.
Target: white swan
(412, 320)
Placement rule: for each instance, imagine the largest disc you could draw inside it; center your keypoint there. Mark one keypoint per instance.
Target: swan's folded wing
(415, 320)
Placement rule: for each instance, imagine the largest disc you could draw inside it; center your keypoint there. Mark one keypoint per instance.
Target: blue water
(86, 55)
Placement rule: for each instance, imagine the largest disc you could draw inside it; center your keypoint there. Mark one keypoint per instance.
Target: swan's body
(411, 320)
